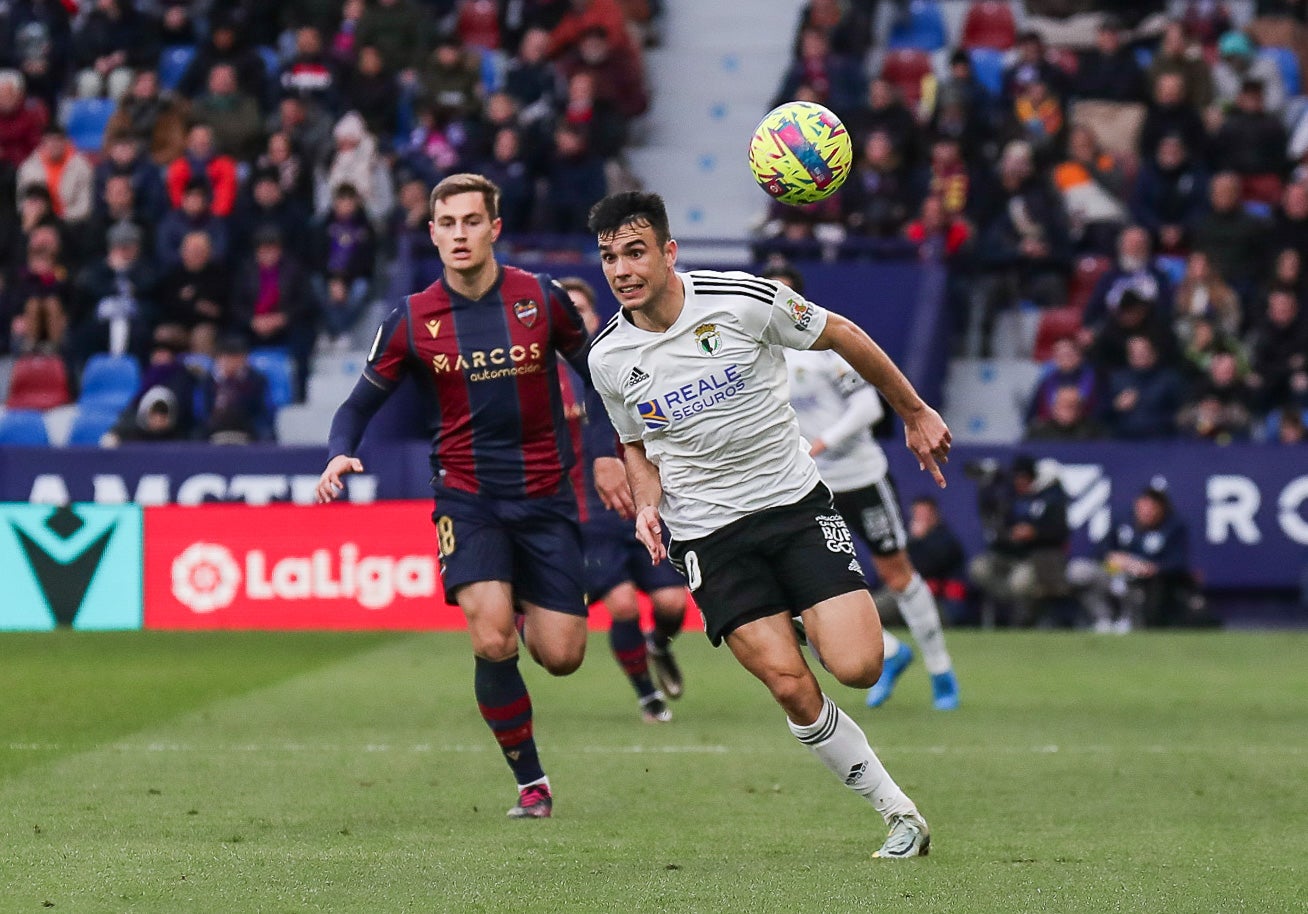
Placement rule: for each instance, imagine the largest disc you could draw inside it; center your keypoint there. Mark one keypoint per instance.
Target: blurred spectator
(1278, 347)
(878, 196)
(343, 262)
(962, 111)
(450, 79)
(1067, 368)
(1144, 396)
(399, 31)
(343, 46)
(1133, 270)
(22, 121)
(1069, 419)
(1025, 560)
(885, 112)
(584, 15)
(64, 172)
(176, 23)
(1171, 194)
(202, 164)
(837, 82)
(156, 119)
(1219, 407)
(509, 170)
(1029, 64)
(193, 294)
(235, 397)
(532, 80)
(937, 234)
(114, 299)
(1205, 341)
(1178, 55)
(617, 77)
(294, 176)
(1238, 64)
(1143, 574)
(1287, 271)
(163, 408)
(1251, 141)
(39, 39)
(194, 215)
(1037, 118)
(1234, 240)
(115, 206)
(109, 42)
(1290, 225)
(308, 129)
(1092, 183)
(272, 304)
(848, 25)
(311, 74)
(371, 90)
(125, 157)
(576, 181)
(232, 115)
(604, 128)
(41, 295)
(1207, 21)
(948, 177)
(1204, 294)
(266, 205)
(1289, 426)
(225, 45)
(430, 149)
(356, 162)
(1109, 72)
(938, 556)
(1171, 114)
(499, 111)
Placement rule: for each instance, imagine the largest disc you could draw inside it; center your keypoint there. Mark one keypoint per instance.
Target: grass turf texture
(164, 772)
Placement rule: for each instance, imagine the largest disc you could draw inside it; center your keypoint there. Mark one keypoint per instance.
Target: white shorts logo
(206, 577)
(836, 533)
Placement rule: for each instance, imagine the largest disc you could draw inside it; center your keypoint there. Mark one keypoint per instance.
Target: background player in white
(696, 389)
(836, 410)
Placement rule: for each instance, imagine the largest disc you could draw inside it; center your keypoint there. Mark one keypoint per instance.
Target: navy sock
(628, 643)
(506, 708)
(666, 628)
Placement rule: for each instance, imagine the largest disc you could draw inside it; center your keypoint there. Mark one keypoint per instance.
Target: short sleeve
(792, 320)
(628, 425)
(388, 356)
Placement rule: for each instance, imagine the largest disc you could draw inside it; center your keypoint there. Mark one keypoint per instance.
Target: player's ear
(670, 252)
(496, 227)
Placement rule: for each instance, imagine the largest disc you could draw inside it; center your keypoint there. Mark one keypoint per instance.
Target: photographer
(1025, 521)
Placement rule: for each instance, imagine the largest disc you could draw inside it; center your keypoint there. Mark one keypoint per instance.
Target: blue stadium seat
(173, 63)
(87, 119)
(1287, 61)
(90, 424)
(1173, 266)
(271, 62)
(23, 428)
(109, 382)
(278, 367)
(988, 65)
(922, 26)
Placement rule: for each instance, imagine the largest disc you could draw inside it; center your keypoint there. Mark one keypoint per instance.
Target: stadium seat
(1055, 324)
(87, 119)
(1264, 189)
(479, 24)
(922, 26)
(1173, 265)
(38, 382)
(109, 381)
(271, 62)
(1085, 275)
(989, 24)
(1287, 61)
(905, 69)
(23, 428)
(278, 367)
(988, 65)
(173, 63)
(90, 424)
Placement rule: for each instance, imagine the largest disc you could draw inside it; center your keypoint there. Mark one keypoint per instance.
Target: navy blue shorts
(534, 544)
(614, 556)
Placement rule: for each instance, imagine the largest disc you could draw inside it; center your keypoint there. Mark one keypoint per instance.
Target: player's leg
(768, 648)
(549, 579)
(667, 592)
(918, 607)
(627, 642)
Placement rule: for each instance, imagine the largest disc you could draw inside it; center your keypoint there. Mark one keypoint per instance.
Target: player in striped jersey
(695, 386)
(836, 409)
(482, 344)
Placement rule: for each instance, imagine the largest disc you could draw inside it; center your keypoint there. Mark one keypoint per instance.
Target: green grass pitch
(248, 772)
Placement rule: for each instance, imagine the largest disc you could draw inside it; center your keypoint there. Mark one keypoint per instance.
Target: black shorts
(873, 512)
(782, 560)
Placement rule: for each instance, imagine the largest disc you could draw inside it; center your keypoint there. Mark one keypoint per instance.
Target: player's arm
(647, 489)
(862, 409)
(601, 443)
(925, 432)
(568, 331)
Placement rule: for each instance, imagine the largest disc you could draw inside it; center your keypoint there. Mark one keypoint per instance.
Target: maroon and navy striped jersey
(594, 437)
(488, 373)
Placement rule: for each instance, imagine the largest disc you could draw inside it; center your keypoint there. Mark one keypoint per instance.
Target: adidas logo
(855, 774)
(855, 567)
(637, 376)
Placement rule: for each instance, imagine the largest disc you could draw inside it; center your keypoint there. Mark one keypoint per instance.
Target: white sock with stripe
(843, 748)
(918, 607)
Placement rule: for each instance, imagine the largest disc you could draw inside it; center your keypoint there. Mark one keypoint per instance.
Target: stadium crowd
(1136, 185)
(198, 178)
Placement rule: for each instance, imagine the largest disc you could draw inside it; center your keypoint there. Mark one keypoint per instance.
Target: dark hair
(467, 183)
(785, 271)
(577, 284)
(631, 207)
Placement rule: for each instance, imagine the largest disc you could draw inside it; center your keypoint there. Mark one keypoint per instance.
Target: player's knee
(561, 663)
(859, 672)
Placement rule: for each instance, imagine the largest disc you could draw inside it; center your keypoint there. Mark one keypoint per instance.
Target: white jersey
(823, 391)
(708, 398)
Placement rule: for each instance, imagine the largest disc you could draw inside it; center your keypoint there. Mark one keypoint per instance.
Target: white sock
(890, 644)
(544, 780)
(843, 748)
(918, 607)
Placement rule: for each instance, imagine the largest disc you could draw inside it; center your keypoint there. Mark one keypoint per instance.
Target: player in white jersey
(693, 381)
(836, 410)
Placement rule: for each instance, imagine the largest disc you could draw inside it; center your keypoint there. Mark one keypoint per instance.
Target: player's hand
(329, 483)
(650, 533)
(817, 448)
(928, 438)
(613, 488)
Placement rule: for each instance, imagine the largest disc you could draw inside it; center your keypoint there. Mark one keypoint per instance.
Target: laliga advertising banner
(294, 567)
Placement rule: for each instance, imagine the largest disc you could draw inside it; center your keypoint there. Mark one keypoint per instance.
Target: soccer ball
(800, 153)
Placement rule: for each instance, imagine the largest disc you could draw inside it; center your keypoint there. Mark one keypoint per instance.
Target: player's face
(463, 232)
(636, 266)
(585, 309)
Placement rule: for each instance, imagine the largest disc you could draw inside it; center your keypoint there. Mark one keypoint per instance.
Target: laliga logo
(206, 577)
